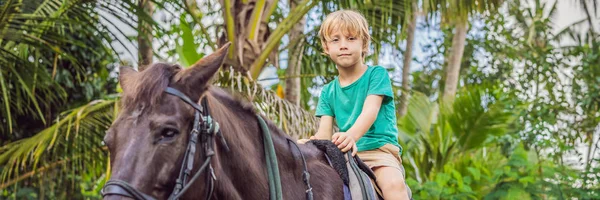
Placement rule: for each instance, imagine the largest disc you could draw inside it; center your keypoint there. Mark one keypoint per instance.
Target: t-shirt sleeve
(380, 84)
(324, 106)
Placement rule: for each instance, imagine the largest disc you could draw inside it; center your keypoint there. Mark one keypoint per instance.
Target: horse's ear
(200, 73)
(126, 76)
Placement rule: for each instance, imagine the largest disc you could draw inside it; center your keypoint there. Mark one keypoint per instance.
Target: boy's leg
(391, 181)
(387, 166)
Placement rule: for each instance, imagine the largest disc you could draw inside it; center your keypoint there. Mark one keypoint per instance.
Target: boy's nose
(343, 45)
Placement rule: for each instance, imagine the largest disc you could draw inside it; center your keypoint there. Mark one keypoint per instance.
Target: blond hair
(350, 23)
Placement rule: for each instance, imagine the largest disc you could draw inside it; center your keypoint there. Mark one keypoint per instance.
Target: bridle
(208, 129)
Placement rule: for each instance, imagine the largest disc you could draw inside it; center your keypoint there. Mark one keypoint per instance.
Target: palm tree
(295, 52)
(410, 40)
(457, 12)
(589, 17)
(145, 36)
(24, 39)
(56, 56)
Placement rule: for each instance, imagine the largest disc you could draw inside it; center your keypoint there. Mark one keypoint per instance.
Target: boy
(361, 101)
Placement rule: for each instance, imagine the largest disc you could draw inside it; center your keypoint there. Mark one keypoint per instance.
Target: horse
(179, 137)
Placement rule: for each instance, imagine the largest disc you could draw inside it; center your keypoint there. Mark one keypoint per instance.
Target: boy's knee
(393, 184)
(390, 179)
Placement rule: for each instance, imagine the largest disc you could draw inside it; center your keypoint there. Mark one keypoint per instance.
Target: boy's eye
(334, 40)
(351, 38)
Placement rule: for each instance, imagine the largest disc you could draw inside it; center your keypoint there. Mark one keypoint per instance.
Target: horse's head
(149, 138)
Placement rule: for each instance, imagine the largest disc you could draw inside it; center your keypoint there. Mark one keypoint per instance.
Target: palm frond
(433, 136)
(26, 40)
(459, 10)
(421, 115)
(477, 114)
(74, 143)
(34, 32)
(292, 119)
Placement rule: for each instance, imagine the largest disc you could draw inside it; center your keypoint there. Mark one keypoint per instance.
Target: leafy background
(495, 99)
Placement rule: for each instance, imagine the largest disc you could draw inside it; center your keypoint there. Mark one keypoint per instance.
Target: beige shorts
(387, 156)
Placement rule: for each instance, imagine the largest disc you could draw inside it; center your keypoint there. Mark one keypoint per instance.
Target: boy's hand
(344, 142)
(304, 141)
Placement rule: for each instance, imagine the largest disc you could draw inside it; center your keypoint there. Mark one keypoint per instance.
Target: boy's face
(344, 50)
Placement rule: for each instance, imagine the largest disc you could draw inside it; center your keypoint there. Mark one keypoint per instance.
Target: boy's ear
(325, 49)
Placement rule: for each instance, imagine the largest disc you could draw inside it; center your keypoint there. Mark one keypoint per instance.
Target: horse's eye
(168, 133)
(165, 135)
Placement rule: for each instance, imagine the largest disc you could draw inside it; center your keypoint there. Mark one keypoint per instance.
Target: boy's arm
(324, 132)
(325, 128)
(367, 116)
(365, 120)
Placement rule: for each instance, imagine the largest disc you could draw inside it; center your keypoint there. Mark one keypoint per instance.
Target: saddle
(359, 180)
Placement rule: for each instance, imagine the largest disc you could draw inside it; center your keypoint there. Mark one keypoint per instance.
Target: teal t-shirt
(345, 104)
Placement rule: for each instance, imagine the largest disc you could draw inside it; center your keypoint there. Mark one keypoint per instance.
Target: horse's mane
(232, 98)
(236, 102)
(147, 86)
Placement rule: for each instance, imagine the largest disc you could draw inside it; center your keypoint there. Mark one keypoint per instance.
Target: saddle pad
(337, 160)
(335, 156)
(361, 186)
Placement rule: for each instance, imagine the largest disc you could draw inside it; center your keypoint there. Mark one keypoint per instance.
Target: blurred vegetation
(523, 123)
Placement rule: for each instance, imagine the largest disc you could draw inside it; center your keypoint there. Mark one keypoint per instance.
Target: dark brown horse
(149, 138)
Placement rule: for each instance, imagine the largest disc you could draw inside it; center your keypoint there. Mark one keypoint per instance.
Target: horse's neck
(245, 163)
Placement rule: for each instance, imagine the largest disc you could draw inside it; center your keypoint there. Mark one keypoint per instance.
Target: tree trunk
(145, 36)
(454, 60)
(247, 30)
(292, 83)
(407, 60)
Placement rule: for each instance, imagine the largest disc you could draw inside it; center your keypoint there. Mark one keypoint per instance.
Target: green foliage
(585, 95)
(57, 60)
(516, 179)
(526, 104)
(434, 135)
(460, 10)
(72, 145)
(478, 114)
(187, 51)
(524, 57)
(467, 177)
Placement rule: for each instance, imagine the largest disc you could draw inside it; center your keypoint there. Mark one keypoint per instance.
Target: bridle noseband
(208, 128)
